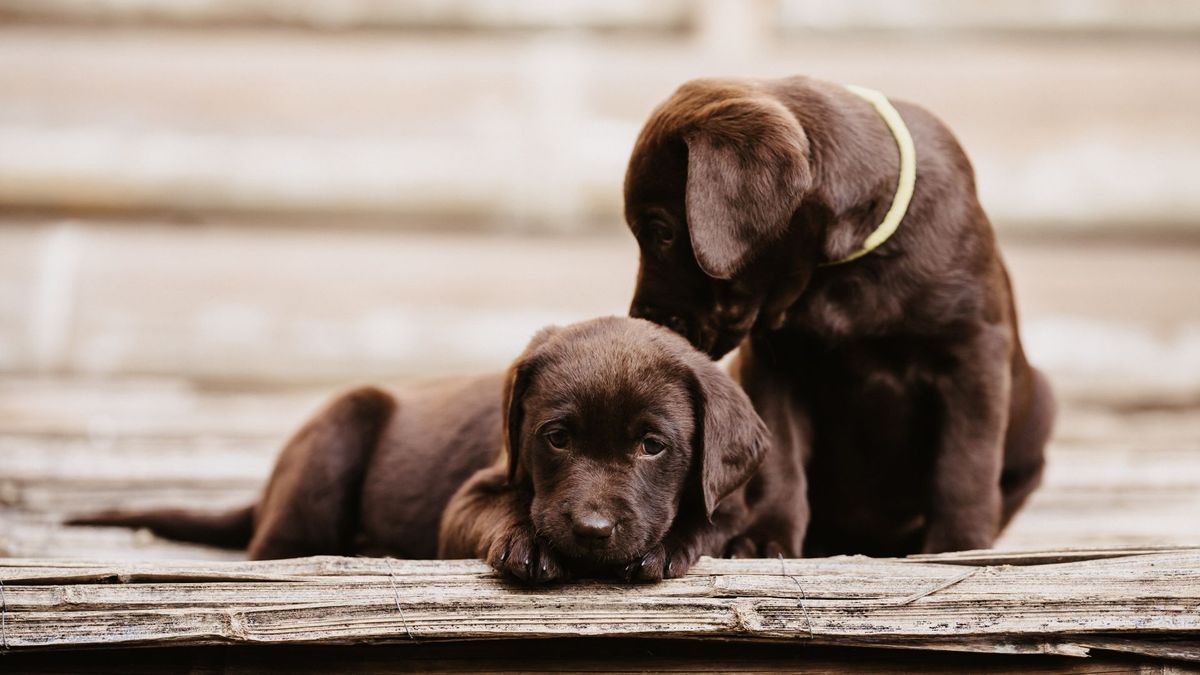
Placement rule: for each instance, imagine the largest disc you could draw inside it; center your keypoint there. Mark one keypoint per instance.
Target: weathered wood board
(1137, 601)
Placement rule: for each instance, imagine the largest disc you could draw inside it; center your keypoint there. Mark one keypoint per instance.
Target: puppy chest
(846, 309)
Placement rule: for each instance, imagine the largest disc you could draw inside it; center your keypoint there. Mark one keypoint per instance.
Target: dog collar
(908, 173)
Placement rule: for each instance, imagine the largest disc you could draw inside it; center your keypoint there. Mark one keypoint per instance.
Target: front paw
(942, 537)
(748, 547)
(519, 554)
(662, 561)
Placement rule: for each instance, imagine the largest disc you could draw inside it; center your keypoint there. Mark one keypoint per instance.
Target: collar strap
(908, 173)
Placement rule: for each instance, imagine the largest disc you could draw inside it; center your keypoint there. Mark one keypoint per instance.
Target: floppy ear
(747, 171)
(731, 438)
(516, 383)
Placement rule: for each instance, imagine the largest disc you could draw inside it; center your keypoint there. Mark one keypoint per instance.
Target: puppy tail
(223, 529)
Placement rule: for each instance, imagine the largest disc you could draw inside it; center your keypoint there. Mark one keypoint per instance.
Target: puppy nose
(730, 313)
(592, 527)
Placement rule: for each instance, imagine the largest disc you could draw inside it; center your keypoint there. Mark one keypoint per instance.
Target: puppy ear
(747, 171)
(732, 439)
(520, 373)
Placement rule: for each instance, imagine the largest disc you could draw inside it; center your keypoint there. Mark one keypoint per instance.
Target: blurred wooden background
(214, 213)
(521, 114)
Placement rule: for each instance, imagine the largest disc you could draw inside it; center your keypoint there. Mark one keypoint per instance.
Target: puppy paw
(741, 547)
(520, 555)
(747, 547)
(941, 537)
(662, 561)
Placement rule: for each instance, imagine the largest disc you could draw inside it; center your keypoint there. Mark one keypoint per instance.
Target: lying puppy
(370, 474)
(877, 327)
(622, 448)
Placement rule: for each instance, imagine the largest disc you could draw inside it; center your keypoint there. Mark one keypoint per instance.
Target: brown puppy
(626, 445)
(625, 450)
(897, 379)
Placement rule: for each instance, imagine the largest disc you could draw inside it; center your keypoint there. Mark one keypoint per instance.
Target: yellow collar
(908, 173)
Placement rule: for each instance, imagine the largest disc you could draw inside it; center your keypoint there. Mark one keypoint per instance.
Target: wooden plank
(463, 15)
(1042, 557)
(14, 570)
(1130, 603)
(353, 144)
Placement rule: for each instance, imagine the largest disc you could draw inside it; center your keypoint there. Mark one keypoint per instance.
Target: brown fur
(895, 384)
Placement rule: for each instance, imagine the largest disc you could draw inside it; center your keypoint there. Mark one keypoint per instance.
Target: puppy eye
(557, 438)
(652, 447)
(661, 233)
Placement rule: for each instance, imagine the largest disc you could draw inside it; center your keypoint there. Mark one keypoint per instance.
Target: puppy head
(716, 177)
(616, 424)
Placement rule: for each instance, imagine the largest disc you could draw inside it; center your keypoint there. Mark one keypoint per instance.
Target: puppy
(626, 451)
(609, 442)
(892, 372)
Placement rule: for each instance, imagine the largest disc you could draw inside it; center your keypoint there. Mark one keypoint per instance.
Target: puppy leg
(489, 518)
(965, 506)
(777, 496)
(311, 504)
(772, 536)
(1025, 444)
(778, 499)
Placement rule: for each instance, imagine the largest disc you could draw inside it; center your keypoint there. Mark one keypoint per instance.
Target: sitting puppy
(621, 444)
(624, 448)
(877, 327)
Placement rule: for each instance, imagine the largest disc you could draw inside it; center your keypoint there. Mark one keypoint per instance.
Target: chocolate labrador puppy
(616, 447)
(892, 372)
(625, 450)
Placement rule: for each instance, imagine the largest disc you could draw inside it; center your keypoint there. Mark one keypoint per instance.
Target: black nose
(592, 527)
